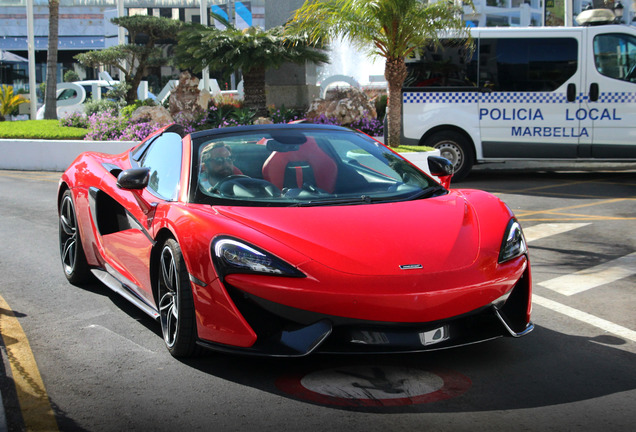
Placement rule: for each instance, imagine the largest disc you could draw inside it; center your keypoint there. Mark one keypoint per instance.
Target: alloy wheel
(68, 235)
(169, 296)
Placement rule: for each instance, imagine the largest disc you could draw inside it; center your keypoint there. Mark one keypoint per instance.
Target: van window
(450, 65)
(527, 64)
(615, 56)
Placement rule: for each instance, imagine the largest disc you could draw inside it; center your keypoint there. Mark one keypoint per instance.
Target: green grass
(40, 129)
(409, 148)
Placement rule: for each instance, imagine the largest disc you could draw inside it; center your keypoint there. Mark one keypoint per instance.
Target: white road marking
(540, 231)
(593, 277)
(582, 280)
(608, 326)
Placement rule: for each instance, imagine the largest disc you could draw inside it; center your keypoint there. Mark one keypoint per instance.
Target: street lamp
(618, 11)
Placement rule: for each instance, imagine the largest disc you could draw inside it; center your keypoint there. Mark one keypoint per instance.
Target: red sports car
(283, 240)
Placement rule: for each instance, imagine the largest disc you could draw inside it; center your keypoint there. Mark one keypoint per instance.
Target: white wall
(52, 155)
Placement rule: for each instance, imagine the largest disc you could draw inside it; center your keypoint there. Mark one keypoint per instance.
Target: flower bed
(108, 125)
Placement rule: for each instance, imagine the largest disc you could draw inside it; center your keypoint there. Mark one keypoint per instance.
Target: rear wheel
(176, 305)
(74, 263)
(456, 148)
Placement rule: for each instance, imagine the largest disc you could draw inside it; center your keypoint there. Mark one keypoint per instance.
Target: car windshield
(291, 166)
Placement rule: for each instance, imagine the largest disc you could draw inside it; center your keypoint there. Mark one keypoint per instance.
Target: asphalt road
(104, 367)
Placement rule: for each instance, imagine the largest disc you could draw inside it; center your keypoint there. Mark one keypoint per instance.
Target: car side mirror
(442, 168)
(133, 178)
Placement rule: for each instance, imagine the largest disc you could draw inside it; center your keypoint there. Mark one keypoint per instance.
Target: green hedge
(40, 129)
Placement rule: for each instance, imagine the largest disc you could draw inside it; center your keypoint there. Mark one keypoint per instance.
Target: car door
(128, 248)
(611, 88)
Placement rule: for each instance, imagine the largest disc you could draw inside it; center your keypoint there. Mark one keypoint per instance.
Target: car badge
(411, 266)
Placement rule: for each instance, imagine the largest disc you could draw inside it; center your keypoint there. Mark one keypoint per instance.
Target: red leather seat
(309, 164)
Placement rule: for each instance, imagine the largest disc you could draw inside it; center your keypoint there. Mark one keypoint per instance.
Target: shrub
(323, 119)
(188, 122)
(243, 116)
(221, 115)
(380, 106)
(137, 131)
(127, 111)
(106, 126)
(78, 120)
(71, 76)
(93, 106)
(284, 115)
(103, 126)
(370, 126)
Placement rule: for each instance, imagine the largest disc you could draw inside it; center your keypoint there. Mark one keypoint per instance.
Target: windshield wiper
(427, 192)
(366, 199)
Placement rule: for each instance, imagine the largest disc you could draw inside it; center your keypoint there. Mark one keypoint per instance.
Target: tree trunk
(254, 88)
(50, 111)
(395, 74)
(133, 82)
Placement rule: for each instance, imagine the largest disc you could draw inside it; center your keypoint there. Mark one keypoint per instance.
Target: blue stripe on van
(511, 97)
(617, 97)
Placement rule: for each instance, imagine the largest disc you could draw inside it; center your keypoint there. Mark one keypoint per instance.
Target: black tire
(176, 305)
(456, 148)
(72, 254)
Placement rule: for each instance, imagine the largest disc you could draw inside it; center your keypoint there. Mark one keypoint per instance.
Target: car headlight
(514, 243)
(234, 256)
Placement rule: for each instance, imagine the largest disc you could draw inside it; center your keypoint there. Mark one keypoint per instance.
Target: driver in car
(218, 164)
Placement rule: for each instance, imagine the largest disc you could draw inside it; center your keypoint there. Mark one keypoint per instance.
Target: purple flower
(106, 126)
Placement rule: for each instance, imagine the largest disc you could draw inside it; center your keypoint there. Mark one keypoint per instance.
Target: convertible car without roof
(285, 240)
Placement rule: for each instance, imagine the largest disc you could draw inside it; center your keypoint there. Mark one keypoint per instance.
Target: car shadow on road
(543, 369)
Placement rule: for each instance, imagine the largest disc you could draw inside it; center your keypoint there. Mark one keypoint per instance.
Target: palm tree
(147, 36)
(252, 51)
(9, 101)
(50, 110)
(392, 29)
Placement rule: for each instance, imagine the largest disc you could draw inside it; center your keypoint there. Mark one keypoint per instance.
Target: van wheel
(456, 148)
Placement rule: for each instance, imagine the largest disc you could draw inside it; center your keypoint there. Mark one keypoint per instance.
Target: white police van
(525, 94)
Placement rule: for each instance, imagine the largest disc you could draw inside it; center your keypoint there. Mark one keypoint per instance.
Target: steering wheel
(238, 185)
(229, 178)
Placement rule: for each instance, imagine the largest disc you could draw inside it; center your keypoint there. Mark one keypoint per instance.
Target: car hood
(438, 234)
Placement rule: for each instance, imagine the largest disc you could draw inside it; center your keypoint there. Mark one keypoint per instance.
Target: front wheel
(176, 305)
(456, 148)
(74, 263)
